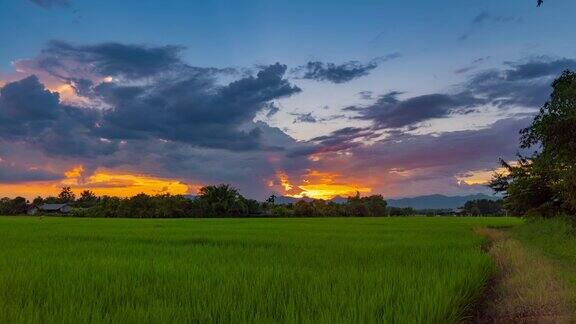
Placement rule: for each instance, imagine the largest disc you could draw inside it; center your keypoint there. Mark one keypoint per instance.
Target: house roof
(52, 206)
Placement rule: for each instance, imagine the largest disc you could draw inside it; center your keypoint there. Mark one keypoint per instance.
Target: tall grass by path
(402, 270)
(526, 287)
(556, 239)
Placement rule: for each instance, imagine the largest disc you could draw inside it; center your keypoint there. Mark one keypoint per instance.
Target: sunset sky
(301, 98)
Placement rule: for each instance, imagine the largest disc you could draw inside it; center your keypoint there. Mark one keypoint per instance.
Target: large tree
(546, 180)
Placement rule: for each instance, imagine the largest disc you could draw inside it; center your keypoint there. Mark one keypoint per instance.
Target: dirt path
(526, 288)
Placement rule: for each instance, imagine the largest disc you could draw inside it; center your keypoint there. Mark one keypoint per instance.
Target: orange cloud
(481, 177)
(320, 185)
(101, 182)
(126, 185)
(330, 190)
(284, 182)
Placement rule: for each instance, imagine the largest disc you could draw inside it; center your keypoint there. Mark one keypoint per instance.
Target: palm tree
(271, 199)
(220, 199)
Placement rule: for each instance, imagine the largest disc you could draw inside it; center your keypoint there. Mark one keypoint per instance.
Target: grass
(526, 288)
(556, 240)
(402, 270)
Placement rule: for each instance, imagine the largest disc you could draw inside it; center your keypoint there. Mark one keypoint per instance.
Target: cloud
(406, 165)
(485, 18)
(147, 92)
(340, 73)
(159, 116)
(16, 174)
(538, 68)
(474, 65)
(272, 110)
(304, 118)
(390, 112)
(156, 115)
(526, 84)
(193, 109)
(110, 59)
(32, 114)
(47, 4)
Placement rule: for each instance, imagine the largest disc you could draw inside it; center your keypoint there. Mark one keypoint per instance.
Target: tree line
(226, 201)
(212, 201)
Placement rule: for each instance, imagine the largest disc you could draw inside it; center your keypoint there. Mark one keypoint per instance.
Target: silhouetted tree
(16, 206)
(66, 195)
(483, 207)
(545, 182)
(87, 199)
(218, 200)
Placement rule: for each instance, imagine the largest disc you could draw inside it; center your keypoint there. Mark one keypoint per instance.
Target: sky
(298, 98)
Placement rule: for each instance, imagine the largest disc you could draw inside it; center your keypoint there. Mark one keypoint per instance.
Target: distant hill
(284, 200)
(436, 201)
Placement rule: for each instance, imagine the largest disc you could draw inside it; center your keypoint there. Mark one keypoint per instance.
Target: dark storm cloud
(155, 95)
(192, 109)
(27, 101)
(339, 73)
(47, 4)
(111, 59)
(390, 112)
(34, 115)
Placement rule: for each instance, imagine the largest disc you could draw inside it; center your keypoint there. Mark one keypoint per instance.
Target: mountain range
(419, 202)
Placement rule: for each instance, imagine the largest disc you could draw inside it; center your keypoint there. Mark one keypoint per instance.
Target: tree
(38, 201)
(374, 205)
(87, 199)
(482, 207)
(16, 206)
(545, 182)
(271, 199)
(218, 200)
(66, 195)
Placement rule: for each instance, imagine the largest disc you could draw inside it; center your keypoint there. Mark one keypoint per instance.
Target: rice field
(316, 270)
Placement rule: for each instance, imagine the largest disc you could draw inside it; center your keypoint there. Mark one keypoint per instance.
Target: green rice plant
(305, 270)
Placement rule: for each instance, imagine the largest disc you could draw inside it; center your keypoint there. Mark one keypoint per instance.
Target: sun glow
(319, 185)
(481, 177)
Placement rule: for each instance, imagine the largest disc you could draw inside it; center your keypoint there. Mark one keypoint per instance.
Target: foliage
(545, 182)
(66, 196)
(16, 206)
(400, 211)
(213, 201)
(87, 199)
(483, 207)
